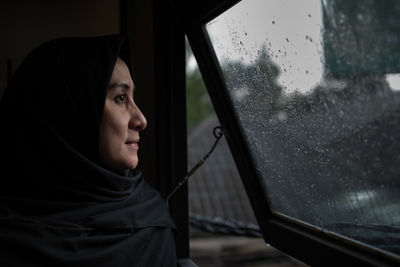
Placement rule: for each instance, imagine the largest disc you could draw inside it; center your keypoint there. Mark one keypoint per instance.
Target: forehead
(121, 73)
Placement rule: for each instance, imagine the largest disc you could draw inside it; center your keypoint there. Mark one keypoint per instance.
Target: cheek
(111, 139)
(113, 135)
(114, 138)
(113, 126)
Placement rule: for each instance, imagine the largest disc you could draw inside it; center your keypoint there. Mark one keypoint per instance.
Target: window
(310, 91)
(223, 229)
(312, 87)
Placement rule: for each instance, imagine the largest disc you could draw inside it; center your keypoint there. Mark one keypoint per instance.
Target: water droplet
(287, 40)
(309, 15)
(273, 22)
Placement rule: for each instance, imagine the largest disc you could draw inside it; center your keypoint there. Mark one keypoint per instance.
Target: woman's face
(122, 120)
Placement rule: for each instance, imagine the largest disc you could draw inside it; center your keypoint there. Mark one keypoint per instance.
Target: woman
(69, 140)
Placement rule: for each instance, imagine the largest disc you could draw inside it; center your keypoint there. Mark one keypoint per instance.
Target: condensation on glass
(315, 87)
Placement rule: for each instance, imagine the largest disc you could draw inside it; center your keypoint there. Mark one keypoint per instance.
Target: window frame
(302, 242)
(158, 52)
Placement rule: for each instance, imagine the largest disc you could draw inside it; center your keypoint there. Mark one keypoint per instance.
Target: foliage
(198, 102)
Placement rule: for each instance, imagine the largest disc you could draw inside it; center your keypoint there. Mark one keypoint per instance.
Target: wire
(218, 132)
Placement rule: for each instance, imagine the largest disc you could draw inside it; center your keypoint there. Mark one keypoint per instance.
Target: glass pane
(216, 192)
(315, 87)
(223, 229)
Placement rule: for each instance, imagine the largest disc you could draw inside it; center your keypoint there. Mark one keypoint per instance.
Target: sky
(291, 30)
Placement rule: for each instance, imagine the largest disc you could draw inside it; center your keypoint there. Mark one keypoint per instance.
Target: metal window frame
(305, 243)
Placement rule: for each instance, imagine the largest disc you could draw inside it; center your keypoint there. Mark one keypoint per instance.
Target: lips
(133, 144)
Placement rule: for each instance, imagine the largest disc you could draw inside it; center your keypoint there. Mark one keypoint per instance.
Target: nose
(137, 120)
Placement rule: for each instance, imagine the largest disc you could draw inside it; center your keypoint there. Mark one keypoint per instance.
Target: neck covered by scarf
(58, 205)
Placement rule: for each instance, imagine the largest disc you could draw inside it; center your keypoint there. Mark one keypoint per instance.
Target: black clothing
(58, 205)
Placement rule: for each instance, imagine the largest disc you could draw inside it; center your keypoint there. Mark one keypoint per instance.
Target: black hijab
(58, 205)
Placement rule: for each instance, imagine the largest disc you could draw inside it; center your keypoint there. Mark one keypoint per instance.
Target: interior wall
(25, 24)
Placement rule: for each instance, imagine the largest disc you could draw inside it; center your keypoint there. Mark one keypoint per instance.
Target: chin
(132, 164)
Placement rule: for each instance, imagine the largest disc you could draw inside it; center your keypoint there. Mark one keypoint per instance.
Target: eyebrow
(122, 85)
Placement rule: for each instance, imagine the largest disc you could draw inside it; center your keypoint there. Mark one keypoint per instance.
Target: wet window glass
(315, 87)
(223, 229)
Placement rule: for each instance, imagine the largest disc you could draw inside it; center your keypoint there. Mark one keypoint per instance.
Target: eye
(119, 99)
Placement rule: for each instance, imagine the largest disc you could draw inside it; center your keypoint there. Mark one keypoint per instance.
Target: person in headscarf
(69, 194)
